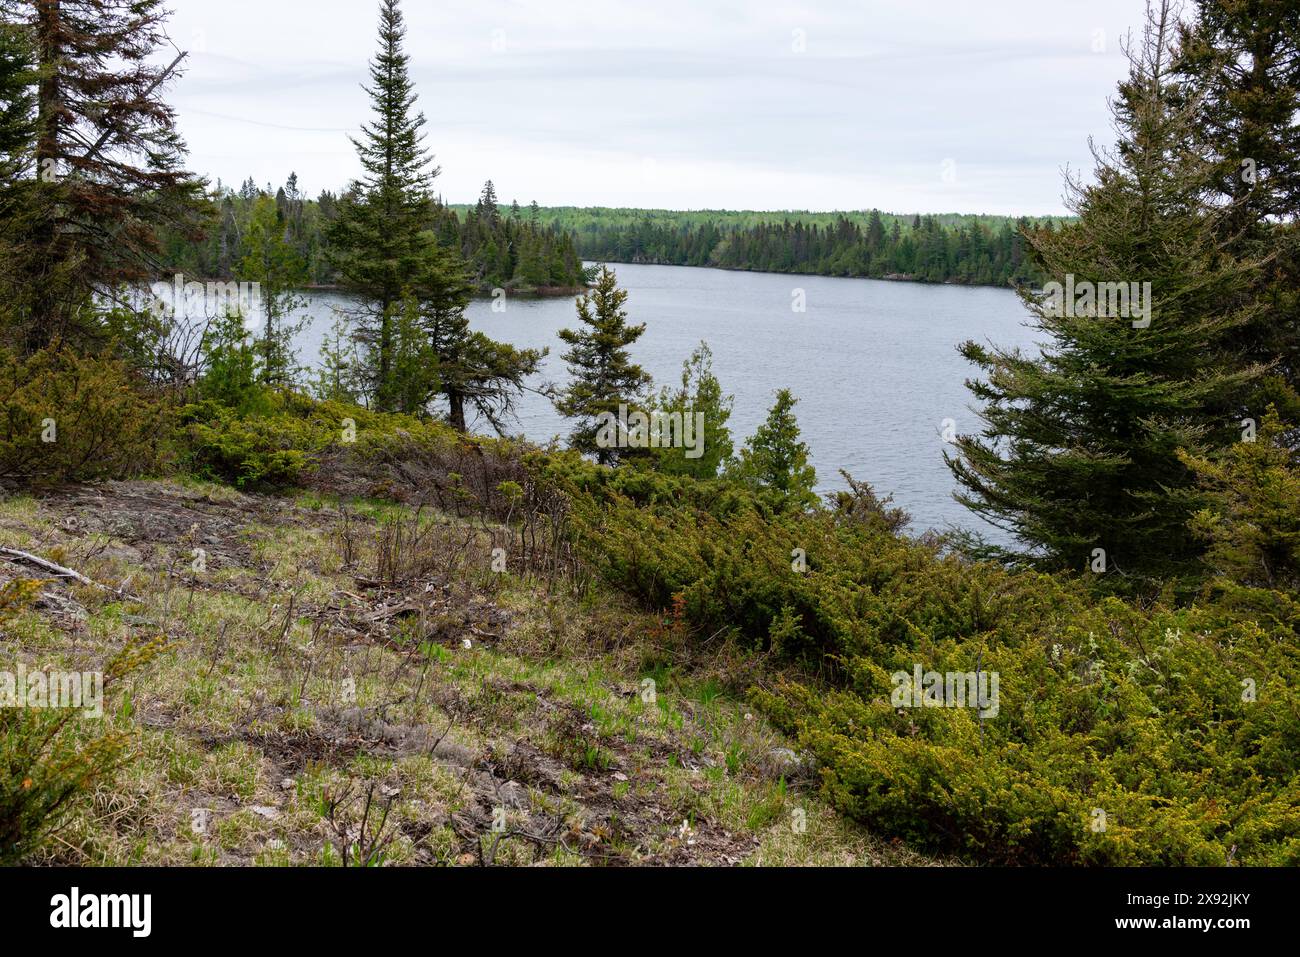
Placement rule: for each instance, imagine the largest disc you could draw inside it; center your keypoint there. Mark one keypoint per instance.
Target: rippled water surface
(873, 363)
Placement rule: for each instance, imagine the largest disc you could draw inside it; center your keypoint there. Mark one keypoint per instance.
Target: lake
(873, 363)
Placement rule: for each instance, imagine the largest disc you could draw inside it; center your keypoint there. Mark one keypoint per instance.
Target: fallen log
(59, 571)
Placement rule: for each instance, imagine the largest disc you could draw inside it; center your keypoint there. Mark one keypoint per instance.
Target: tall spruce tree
(107, 167)
(387, 255)
(1080, 450)
(603, 375)
(379, 237)
(1239, 61)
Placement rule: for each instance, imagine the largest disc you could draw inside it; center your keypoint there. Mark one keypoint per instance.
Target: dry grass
(364, 685)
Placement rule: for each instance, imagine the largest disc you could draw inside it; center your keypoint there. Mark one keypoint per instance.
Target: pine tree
(488, 209)
(700, 395)
(1240, 63)
(17, 104)
(415, 363)
(774, 460)
(379, 237)
(603, 375)
(336, 372)
(17, 137)
(1079, 457)
(107, 168)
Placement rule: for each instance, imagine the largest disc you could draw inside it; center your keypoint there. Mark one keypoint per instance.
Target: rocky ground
(365, 683)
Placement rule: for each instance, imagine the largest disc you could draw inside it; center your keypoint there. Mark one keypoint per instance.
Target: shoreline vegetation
(932, 248)
(533, 248)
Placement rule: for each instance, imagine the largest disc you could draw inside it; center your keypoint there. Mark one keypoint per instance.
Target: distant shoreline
(891, 277)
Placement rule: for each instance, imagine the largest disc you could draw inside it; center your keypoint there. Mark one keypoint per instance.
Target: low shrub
(65, 417)
(52, 757)
(1123, 735)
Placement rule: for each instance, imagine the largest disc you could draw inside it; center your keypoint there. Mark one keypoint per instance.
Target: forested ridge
(504, 248)
(530, 248)
(976, 250)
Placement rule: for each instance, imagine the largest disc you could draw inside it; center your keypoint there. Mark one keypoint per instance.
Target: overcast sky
(905, 105)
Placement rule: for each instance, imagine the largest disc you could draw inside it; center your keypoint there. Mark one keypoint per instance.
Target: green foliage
(774, 460)
(932, 248)
(382, 249)
(510, 251)
(1249, 142)
(271, 261)
(1252, 521)
(50, 758)
(283, 441)
(65, 418)
(701, 396)
(411, 284)
(336, 378)
(105, 169)
(229, 359)
(1080, 449)
(1140, 712)
(602, 373)
(17, 100)
(250, 450)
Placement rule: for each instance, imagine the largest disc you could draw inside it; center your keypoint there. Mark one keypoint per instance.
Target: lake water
(873, 363)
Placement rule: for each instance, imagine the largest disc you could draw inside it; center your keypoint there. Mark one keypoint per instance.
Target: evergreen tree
(17, 137)
(108, 163)
(774, 460)
(488, 209)
(603, 375)
(17, 105)
(1240, 63)
(700, 395)
(335, 379)
(1080, 449)
(415, 363)
(228, 373)
(476, 374)
(379, 237)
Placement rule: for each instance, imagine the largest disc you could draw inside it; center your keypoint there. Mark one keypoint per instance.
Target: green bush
(65, 417)
(286, 439)
(250, 451)
(1105, 706)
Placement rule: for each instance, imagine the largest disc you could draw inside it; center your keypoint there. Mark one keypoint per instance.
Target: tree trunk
(456, 414)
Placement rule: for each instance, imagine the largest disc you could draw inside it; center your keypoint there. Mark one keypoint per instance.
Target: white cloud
(679, 103)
